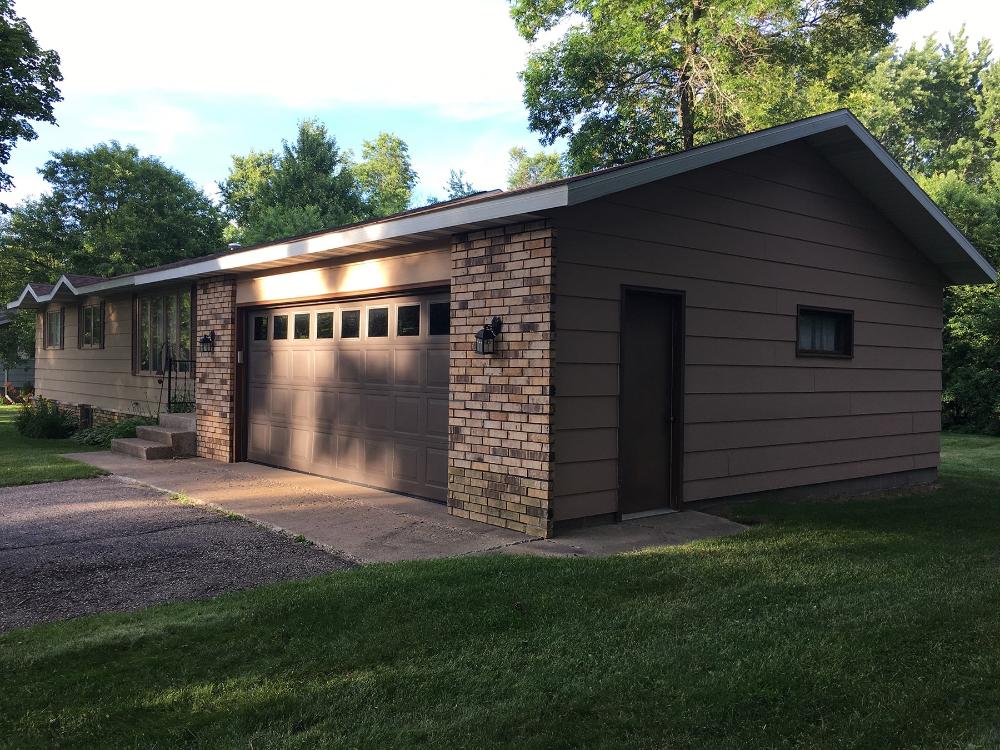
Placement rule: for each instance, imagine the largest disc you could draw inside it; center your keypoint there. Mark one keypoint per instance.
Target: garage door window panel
(378, 322)
(260, 328)
(302, 326)
(408, 320)
(324, 325)
(280, 327)
(350, 324)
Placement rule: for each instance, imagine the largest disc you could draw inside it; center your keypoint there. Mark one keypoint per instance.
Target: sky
(196, 82)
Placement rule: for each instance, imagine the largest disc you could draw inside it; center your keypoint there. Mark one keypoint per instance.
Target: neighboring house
(18, 375)
(754, 315)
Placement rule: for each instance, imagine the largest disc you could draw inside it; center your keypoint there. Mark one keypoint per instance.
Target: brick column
(500, 412)
(215, 310)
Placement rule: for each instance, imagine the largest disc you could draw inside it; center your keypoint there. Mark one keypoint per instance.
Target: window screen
(825, 332)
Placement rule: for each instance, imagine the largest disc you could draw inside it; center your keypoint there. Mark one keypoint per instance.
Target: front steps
(174, 437)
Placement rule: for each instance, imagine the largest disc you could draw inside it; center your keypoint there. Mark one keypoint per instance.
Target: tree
(933, 106)
(385, 176)
(313, 185)
(458, 186)
(524, 170)
(635, 78)
(28, 87)
(109, 211)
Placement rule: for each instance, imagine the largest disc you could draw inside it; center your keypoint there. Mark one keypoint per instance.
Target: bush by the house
(102, 435)
(42, 419)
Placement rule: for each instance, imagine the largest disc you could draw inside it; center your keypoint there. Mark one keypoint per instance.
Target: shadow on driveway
(100, 545)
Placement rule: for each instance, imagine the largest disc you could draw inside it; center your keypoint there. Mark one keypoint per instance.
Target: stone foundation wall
(500, 412)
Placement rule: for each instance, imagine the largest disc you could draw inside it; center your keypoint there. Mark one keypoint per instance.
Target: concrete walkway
(369, 525)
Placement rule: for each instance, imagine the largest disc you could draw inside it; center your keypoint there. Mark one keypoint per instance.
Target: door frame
(677, 298)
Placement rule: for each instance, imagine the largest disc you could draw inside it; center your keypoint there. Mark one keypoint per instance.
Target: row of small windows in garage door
(275, 326)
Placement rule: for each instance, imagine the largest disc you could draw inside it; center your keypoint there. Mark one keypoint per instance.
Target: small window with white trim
(54, 328)
(92, 326)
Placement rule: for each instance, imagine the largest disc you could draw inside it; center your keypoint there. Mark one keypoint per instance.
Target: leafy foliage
(635, 78)
(525, 170)
(41, 418)
(313, 185)
(28, 88)
(385, 176)
(458, 186)
(102, 435)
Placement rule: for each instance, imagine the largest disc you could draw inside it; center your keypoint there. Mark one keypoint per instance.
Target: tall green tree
(28, 86)
(313, 185)
(108, 211)
(458, 186)
(525, 170)
(635, 78)
(385, 176)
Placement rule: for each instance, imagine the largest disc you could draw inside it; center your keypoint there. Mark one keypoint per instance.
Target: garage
(353, 389)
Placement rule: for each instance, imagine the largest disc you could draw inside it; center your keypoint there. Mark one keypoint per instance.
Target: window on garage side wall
(163, 331)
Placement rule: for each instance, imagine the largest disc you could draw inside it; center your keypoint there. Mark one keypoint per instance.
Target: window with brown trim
(825, 333)
(91, 324)
(163, 330)
(54, 328)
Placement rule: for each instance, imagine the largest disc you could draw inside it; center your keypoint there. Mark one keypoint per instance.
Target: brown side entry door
(354, 390)
(651, 390)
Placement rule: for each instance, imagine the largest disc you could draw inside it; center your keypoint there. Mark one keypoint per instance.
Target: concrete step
(180, 439)
(144, 449)
(180, 421)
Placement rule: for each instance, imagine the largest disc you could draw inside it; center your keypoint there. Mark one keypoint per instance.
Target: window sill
(823, 355)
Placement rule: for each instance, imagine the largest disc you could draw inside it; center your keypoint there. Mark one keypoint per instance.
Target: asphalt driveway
(98, 545)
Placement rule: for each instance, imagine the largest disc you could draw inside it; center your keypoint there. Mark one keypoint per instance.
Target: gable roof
(838, 136)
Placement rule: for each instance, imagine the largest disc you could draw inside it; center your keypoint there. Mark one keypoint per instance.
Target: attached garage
(353, 389)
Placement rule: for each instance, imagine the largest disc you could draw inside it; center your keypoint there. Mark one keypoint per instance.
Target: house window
(440, 318)
(260, 328)
(280, 327)
(825, 333)
(350, 324)
(164, 330)
(378, 322)
(302, 325)
(92, 326)
(408, 320)
(54, 329)
(324, 325)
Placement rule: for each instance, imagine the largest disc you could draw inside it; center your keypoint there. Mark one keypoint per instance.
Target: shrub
(42, 419)
(102, 435)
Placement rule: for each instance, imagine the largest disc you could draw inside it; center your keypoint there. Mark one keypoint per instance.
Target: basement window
(825, 333)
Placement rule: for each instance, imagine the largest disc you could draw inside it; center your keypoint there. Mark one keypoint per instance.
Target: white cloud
(460, 56)
(980, 17)
(154, 127)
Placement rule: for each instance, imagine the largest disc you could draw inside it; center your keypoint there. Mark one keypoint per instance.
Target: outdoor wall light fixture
(486, 339)
(207, 342)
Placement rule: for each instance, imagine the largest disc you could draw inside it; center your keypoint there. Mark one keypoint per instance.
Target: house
(15, 376)
(756, 315)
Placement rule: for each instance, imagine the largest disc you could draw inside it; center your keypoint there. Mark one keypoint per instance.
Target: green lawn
(871, 624)
(24, 461)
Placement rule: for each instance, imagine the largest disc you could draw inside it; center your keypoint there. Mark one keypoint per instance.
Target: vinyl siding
(747, 242)
(98, 377)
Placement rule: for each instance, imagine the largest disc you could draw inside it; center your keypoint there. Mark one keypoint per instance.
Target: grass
(27, 461)
(865, 624)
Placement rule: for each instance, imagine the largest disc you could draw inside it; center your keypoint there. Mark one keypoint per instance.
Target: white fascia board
(472, 213)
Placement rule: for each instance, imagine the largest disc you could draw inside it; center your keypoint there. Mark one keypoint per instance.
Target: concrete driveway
(370, 525)
(98, 545)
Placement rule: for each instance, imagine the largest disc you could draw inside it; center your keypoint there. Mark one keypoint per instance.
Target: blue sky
(195, 82)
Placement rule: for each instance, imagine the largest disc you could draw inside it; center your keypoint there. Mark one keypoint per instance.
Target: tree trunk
(686, 79)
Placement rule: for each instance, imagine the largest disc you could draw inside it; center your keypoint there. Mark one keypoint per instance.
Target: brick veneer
(215, 309)
(500, 413)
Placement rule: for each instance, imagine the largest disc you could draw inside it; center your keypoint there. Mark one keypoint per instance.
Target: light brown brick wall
(500, 415)
(215, 382)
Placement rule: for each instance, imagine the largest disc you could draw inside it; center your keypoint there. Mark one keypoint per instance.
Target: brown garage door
(353, 390)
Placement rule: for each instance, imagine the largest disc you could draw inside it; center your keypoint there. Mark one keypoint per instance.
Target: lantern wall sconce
(207, 342)
(486, 338)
